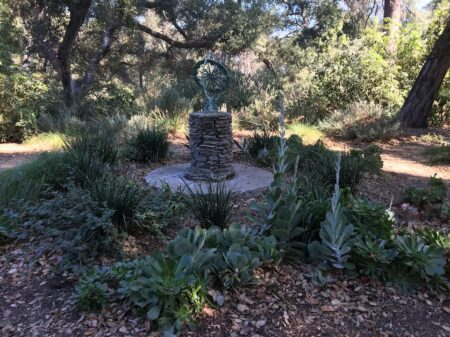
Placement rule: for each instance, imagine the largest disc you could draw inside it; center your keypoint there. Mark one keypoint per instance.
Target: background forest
(345, 66)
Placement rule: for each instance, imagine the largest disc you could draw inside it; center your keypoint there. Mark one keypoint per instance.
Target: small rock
(260, 323)
(12, 271)
(335, 302)
(123, 330)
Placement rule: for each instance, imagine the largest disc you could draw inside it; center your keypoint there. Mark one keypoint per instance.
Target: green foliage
(365, 121)
(426, 261)
(148, 144)
(435, 193)
(236, 267)
(35, 179)
(213, 206)
(157, 210)
(435, 238)
(336, 234)
(370, 219)
(98, 141)
(164, 289)
(119, 194)
(80, 229)
(259, 146)
(372, 257)
(439, 155)
(315, 161)
(91, 293)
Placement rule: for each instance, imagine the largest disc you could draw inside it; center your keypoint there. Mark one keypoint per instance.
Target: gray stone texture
(211, 145)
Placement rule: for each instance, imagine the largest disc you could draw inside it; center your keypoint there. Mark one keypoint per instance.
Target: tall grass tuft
(148, 144)
(213, 205)
(118, 194)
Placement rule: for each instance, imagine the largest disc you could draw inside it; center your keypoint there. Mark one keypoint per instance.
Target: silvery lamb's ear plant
(336, 234)
(281, 213)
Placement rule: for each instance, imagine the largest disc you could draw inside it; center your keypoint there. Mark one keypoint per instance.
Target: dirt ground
(35, 302)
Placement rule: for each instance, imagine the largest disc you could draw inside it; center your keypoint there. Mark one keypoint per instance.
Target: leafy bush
(435, 193)
(91, 292)
(370, 219)
(213, 206)
(365, 121)
(35, 179)
(81, 229)
(148, 144)
(118, 194)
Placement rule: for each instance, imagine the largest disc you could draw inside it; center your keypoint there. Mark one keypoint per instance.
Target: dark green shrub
(213, 205)
(91, 292)
(79, 228)
(149, 144)
(119, 194)
(260, 146)
(157, 209)
(370, 219)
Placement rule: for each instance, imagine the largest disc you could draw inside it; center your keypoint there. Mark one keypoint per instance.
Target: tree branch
(95, 59)
(200, 43)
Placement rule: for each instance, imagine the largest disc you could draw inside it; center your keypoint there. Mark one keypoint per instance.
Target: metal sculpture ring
(211, 76)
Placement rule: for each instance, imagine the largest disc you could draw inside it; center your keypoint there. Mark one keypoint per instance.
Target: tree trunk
(393, 10)
(392, 19)
(419, 102)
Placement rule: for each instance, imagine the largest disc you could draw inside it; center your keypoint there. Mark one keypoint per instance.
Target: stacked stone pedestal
(211, 145)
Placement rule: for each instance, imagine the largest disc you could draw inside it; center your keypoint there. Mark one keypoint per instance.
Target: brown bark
(78, 14)
(393, 10)
(392, 18)
(418, 104)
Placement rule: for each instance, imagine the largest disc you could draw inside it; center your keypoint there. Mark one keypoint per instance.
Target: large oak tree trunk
(419, 102)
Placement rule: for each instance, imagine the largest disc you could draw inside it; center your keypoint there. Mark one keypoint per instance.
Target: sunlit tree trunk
(419, 102)
(392, 18)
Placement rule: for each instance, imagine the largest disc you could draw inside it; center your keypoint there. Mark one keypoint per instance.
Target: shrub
(149, 144)
(370, 219)
(81, 229)
(435, 193)
(91, 292)
(365, 121)
(439, 155)
(260, 146)
(213, 205)
(118, 194)
(35, 179)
